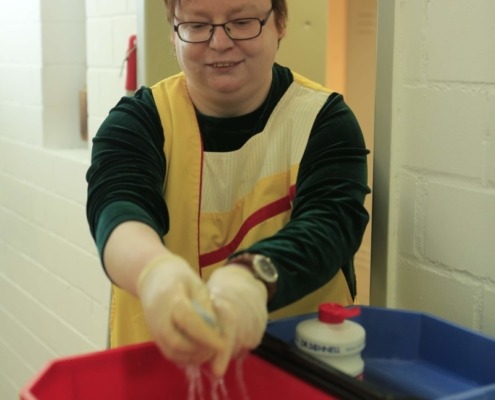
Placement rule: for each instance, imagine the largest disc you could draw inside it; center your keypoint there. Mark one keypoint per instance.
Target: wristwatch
(261, 267)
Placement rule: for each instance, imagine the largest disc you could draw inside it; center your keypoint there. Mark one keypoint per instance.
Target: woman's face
(226, 74)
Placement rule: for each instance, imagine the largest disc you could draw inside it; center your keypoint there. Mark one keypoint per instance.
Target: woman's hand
(179, 312)
(240, 301)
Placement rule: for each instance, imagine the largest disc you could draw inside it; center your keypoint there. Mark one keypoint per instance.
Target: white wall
(442, 179)
(53, 292)
(108, 27)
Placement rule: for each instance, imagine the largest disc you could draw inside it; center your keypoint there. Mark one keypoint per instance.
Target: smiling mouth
(224, 64)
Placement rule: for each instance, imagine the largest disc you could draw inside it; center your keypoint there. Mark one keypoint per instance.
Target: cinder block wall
(443, 161)
(53, 293)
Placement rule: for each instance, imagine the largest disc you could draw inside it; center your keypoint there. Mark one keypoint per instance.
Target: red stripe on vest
(270, 210)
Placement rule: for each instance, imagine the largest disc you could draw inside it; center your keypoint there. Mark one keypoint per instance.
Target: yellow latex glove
(171, 294)
(240, 304)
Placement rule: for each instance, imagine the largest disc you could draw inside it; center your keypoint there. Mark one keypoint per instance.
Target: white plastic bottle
(333, 339)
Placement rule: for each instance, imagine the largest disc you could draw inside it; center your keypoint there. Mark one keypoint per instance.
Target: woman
(228, 191)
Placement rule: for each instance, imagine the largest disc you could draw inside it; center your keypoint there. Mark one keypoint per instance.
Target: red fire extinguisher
(131, 58)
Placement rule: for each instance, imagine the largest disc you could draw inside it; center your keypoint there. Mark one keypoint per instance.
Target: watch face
(265, 269)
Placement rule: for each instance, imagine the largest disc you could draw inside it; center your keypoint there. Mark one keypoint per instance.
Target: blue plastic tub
(416, 354)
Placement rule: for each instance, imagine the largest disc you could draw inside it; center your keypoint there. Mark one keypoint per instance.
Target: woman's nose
(219, 38)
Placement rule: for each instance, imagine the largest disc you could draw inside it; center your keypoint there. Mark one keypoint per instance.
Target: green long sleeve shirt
(328, 219)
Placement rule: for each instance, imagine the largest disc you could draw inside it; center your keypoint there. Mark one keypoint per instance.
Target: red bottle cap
(332, 313)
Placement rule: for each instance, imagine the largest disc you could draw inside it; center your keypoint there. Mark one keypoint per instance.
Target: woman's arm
(125, 181)
(328, 217)
(132, 246)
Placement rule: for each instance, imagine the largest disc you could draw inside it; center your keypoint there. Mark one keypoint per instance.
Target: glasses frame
(213, 26)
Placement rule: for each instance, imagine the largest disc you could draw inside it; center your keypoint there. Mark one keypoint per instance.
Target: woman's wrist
(247, 260)
(151, 266)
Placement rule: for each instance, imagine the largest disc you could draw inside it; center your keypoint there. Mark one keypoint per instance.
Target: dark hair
(279, 9)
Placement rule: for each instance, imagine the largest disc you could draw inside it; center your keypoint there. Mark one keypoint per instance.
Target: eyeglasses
(236, 29)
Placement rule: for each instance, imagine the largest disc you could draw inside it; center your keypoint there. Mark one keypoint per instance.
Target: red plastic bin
(141, 372)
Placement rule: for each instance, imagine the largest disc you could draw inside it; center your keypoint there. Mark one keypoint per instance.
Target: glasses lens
(194, 32)
(243, 28)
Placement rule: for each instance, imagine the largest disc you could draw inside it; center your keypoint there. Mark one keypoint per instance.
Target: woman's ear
(281, 33)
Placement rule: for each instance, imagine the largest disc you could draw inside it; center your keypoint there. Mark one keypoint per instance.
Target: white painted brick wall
(489, 173)
(109, 26)
(428, 290)
(53, 293)
(460, 41)
(443, 151)
(487, 314)
(444, 143)
(460, 229)
(63, 73)
(20, 67)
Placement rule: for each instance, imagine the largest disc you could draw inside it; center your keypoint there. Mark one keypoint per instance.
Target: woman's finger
(197, 325)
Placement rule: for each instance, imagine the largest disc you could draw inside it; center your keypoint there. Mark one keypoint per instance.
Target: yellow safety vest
(211, 214)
